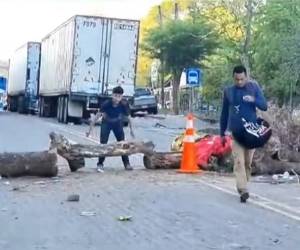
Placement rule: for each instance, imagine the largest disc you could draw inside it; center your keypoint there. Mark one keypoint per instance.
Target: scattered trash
(239, 246)
(6, 183)
(277, 178)
(87, 213)
(73, 197)
(55, 179)
(40, 183)
(159, 125)
(16, 189)
(19, 188)
(125, 218)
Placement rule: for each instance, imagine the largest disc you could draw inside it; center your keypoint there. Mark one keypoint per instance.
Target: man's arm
(94, 119)
(127, 113)
(224, 114)
(260, 101)
(130, 127)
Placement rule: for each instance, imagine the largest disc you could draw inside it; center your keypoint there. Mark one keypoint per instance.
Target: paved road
(170, 211)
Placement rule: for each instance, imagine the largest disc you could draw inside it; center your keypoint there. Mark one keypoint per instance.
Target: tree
(153, 20)
(182, 44)
(276, 49)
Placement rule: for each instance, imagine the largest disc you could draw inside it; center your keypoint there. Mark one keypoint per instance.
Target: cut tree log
(160, 160)
(75, 153)
(270, 166)
(41, 164)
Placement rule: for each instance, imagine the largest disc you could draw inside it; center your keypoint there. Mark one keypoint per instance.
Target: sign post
(193, 80)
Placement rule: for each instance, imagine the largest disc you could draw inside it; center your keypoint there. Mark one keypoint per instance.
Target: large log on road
(75, 153)
(31, 164)
(160, 160)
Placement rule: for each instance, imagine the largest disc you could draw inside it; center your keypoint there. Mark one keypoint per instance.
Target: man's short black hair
(239, 69)
(118, 90)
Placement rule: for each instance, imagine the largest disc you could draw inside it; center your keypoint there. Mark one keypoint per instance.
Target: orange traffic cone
(188, 160)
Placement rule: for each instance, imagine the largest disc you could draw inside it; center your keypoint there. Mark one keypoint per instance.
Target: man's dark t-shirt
(114, 114)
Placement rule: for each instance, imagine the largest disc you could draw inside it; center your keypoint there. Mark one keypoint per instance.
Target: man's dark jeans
(118, 131)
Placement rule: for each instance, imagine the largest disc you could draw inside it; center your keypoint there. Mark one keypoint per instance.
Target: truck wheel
(155, 111)
(41, 107)
(21, 108)
(64, 109)
(132, 113)
(59, 109)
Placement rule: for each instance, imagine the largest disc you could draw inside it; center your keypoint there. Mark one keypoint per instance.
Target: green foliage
(180, 44)
(276, 48)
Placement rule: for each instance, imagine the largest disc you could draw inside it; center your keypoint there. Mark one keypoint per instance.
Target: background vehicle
(23, 80)
(143, 100)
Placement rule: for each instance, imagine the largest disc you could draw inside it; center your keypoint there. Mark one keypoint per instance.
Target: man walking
(113, 112)
(241, 100)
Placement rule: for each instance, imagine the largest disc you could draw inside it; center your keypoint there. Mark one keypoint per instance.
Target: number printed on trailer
(89, 24)
(123, 26)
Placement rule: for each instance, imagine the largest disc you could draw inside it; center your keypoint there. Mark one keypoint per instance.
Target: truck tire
(41, 107)
(153, 111)
(64, 102)
(132, 113)
(59, 109)
(21, 107)
(11, 104)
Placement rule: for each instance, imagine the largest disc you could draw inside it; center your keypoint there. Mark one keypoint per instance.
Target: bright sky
(31, 20)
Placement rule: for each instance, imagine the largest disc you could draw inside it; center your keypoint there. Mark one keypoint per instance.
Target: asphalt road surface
(168, 210)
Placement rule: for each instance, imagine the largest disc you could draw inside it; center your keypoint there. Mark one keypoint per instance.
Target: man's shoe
(244, 197)
(128, 167)
(100, 168)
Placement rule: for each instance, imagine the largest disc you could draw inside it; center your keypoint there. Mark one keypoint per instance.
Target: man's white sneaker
(100, 168)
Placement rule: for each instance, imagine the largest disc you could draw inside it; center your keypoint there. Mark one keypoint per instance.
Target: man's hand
(130, 127)
(223, 141)
(248, 98)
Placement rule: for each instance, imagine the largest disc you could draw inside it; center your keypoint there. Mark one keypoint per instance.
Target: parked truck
(23, 78)
(82, 61)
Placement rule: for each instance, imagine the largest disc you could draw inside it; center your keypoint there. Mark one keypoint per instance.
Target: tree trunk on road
(28, 164)
(168, 160)
(75, 153)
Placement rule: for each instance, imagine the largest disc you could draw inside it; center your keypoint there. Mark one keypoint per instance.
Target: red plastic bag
(211, 146)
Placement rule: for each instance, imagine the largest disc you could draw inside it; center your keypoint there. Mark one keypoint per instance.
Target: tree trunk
(265, 166)
(269, 166)
(245, 58)
(162, 83)
(75, 153)
(28, 164)
(168, 160)
(175, 90)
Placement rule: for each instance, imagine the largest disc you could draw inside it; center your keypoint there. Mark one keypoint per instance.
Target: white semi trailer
(23, 79)
(82, 61)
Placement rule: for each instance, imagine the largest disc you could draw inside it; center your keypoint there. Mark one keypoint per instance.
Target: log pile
(282, 152)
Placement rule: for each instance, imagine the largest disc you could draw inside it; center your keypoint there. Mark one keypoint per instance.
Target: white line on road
(258, 203)
(75, 133)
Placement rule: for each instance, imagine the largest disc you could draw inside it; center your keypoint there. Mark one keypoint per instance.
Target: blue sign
(193, 77)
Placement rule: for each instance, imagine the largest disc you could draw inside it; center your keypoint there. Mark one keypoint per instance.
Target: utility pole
(176, 11)
(162, 64)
